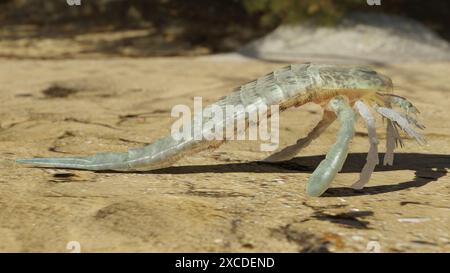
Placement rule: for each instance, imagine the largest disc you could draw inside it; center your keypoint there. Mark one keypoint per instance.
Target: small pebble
(357, 238)
(279, 180)
(413, 220)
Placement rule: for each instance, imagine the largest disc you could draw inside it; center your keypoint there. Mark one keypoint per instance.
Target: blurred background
(135, 28)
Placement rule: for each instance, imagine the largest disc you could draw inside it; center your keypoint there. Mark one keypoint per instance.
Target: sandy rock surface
(221, 200)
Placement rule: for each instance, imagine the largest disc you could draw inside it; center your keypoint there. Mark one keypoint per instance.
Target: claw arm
(321, 178)
(372, 157)
(292, 150)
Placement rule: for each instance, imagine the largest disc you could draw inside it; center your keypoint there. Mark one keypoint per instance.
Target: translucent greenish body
(289, 86)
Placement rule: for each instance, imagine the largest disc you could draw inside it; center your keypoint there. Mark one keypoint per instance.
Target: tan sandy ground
(218, 200)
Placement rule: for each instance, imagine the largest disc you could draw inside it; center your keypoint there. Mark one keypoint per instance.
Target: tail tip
(22, 160)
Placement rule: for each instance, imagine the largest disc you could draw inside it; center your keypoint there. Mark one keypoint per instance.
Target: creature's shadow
(427, 167)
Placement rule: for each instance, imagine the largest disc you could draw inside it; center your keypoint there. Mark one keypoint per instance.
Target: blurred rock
(359, 38)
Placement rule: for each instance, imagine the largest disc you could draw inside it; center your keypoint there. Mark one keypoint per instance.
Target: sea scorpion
(342, 92)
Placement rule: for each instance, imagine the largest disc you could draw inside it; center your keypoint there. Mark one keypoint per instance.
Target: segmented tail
(96, 162)
(161, 153)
